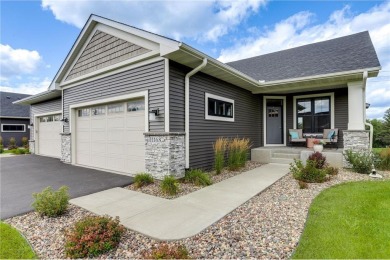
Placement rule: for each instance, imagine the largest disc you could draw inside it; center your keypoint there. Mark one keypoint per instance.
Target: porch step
(286, 155)
(281, 160)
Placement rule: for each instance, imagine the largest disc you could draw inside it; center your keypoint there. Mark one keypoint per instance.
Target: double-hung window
(219, 108)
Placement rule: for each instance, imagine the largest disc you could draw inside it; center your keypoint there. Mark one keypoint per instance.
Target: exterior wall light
(65, 120)
(153, 114)
(368, 105)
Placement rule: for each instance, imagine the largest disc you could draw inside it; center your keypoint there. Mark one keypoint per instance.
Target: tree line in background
(381, 137)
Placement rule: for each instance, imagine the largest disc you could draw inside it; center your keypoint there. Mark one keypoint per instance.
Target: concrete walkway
(164, 219)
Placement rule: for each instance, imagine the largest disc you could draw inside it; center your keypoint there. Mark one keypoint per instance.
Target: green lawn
(378, 150)
(351, 220)
(13, 245)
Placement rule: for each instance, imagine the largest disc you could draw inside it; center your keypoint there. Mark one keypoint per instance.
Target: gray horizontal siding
(17, 135)
(149, 77)
(204, 132)
(341, 110)
(104, 50)
(43, 108)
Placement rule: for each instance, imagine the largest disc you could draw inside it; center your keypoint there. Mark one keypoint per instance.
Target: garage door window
(56, 118)
(97, 111)
(115, 108)
(135, 105)
(83, 112)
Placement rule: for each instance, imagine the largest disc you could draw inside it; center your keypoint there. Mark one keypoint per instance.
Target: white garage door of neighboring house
(49, 138)
(110, 136)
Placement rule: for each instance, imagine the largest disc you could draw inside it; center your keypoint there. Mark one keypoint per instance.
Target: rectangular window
(97, 111)
(13, 128)
(313, 114)
(83, 112)
(219, 108)
(135, 105)
(115, 108)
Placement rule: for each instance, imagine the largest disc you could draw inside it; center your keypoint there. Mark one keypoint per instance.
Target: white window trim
(265, 119)
(24, 128)
(330, 94)
(217, 118)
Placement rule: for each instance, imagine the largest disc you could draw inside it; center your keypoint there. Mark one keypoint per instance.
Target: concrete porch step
(281, 160)
(286, 155)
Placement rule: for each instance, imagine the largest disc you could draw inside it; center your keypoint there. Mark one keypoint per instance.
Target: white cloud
(201, 20)
(300, 29)
(15, 62)
(33, 87)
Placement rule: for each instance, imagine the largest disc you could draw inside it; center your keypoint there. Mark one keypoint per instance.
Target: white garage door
(49, 138)
(110, 136)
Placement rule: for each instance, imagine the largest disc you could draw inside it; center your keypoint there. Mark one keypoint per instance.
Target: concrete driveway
(21, 176)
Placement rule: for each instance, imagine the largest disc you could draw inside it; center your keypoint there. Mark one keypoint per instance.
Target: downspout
(187, 108)
(365, 75)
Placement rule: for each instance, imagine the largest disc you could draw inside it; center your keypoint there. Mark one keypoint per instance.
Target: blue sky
(37, 35)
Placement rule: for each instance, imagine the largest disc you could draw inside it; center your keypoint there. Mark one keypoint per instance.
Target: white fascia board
(43, 96)
(211, 61)
(321, 76)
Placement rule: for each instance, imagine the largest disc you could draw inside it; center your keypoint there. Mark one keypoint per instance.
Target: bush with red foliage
(165, 251)
(319, 160)
(93, 236)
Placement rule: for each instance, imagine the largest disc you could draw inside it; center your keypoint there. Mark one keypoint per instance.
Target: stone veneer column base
(357, 141)
(165, 154)
(66, 148)
(31, 146)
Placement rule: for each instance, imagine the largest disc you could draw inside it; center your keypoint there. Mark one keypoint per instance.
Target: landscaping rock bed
(267, 226)
(186, 188)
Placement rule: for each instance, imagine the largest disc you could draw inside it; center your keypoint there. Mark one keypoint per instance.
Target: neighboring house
(133, 101)
(14, 119)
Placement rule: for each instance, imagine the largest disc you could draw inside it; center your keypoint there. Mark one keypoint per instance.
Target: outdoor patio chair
(330, 136)
(295, 136)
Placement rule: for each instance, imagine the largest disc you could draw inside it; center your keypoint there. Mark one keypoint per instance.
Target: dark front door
(274, 118)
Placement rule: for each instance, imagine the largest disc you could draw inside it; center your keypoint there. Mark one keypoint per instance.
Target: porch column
(356, 138)
(355, 106)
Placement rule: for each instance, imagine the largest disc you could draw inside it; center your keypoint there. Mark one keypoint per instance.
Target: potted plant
(318, 145)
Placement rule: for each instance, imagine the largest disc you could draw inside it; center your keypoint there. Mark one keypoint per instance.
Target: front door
(274, 121)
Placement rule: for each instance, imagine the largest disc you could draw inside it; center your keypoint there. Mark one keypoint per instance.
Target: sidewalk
(186, 216)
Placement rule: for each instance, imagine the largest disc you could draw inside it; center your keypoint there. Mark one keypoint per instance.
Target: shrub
(1, 148)
(1, 140)
(238, 149)
(143, 179)
(93, 236)
(165, 251)
(25, 142)
(170, 185)
(384, 159)
(219, 153)
(319, 160)
(197, 177)
(308, 173)
(51, 203)
(12, 143)
(332, 171)
(303, 185)
(20, 151)
(361, 162)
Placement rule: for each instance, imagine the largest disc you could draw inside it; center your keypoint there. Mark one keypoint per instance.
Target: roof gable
(101, 51)
(7, 109)
(348, 53)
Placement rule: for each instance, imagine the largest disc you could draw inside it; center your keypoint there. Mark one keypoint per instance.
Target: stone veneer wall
(66, 148)
(165, 154)
(31, 146)
(357, 141)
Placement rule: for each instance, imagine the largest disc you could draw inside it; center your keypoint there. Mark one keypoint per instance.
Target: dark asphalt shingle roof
(10, 110)
(346, 53)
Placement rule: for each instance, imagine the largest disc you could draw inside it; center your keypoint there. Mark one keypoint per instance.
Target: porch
(286, 155)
